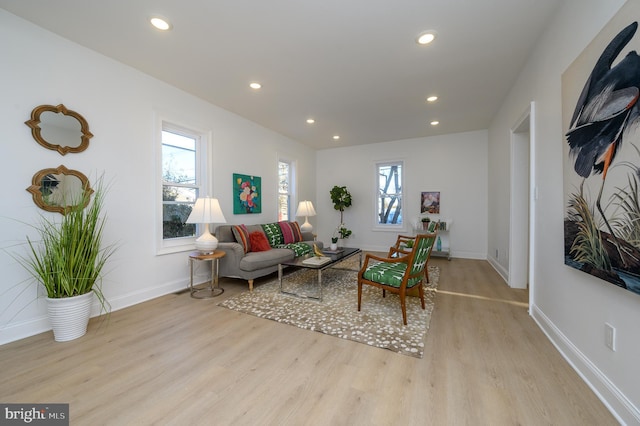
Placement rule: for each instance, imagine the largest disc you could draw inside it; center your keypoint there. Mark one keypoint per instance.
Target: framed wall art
(430, 202)
(247, 192)
(600, 117)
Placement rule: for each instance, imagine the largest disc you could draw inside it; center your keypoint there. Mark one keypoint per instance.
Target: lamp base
(306, 226)
(206, 243)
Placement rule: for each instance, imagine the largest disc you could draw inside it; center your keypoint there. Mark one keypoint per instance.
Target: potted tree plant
(68, 260)
(341, 199)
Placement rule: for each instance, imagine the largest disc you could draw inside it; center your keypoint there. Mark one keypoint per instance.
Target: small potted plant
(334, 243)
(425, 222)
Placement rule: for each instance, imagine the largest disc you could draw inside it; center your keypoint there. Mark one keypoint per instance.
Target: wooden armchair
(398, 274)
(404, 243)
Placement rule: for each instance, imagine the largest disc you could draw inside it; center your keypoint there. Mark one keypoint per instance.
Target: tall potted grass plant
(68, 260)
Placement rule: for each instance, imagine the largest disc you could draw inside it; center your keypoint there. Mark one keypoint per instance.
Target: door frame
(522, 205)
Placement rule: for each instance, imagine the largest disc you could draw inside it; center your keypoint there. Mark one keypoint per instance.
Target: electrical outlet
(610, 336)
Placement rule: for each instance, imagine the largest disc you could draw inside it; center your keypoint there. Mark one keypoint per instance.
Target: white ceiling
(353, 65)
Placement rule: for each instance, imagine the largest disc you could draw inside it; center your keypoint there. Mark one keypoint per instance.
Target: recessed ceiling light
(426, 37)
(336, 137)
(310, 121)
(434, 123)
(255, 85)
(160, 23)
(432, 98)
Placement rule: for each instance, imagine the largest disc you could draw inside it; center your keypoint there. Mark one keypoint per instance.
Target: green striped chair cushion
(389, 274)
(421, 254)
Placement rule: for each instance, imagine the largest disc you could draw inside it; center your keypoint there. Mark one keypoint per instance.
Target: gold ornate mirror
(56, 190)
(59, 129)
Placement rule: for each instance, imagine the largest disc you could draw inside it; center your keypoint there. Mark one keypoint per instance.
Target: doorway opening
(522, 202)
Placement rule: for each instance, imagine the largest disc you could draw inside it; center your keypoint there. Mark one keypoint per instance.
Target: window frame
(393, 227)
(292, 189)
(202, 150)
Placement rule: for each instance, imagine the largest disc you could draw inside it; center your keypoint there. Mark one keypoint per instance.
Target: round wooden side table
(214, 288)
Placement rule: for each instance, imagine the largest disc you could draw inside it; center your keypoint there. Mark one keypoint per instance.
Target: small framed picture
(430, 202)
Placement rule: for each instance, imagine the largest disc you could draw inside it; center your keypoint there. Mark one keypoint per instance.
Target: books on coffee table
(317, 260)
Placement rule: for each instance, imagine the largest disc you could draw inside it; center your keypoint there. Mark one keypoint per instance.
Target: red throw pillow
(259, 241)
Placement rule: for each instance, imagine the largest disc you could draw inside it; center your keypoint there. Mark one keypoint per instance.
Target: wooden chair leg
(403, 305)
(421, 291)
(359, 295)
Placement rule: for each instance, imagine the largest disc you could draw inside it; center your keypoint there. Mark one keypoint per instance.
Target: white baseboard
(454, 253)
(502, 271)
(21, 330)
(622, 409)
(145, 294)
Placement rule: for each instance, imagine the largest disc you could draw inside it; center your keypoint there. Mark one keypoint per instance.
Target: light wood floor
(177, 360)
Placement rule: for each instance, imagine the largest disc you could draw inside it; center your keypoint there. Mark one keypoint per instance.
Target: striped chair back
(421, 252)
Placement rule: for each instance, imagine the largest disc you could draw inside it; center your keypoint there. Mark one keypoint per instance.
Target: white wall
(455, 165)
(570, 306)
(121, 106)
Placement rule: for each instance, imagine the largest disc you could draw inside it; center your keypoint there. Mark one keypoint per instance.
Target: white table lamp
(305, 208)
(206, 210)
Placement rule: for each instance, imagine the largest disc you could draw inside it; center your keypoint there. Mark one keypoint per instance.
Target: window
(182, 183)
(284, 190)
(389, 193)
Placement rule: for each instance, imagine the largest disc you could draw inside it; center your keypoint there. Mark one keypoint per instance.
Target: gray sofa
(248, 266)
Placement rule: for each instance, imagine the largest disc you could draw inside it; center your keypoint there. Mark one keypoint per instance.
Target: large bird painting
(602, 176)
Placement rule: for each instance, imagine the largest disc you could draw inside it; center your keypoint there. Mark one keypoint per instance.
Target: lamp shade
(305, 208)
(206, 210)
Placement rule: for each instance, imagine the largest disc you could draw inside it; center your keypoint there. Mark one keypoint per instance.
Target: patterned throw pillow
(259, 242)
(273, 233)
(299, 248)
(291, 232)
(242, 236)
(297, 232)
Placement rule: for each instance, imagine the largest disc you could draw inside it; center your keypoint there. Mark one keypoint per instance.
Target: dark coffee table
(298, 262)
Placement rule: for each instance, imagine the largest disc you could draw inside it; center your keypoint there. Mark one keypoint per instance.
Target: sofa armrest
(231, 261)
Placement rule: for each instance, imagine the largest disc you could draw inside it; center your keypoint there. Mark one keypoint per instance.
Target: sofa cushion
(253, 261)
(273, 233)
(259, 242)
(291, 232)
(241, 234)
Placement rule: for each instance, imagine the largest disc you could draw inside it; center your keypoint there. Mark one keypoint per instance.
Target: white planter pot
(69, 316)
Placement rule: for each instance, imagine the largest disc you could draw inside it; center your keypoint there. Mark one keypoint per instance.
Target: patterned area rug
(379, 323)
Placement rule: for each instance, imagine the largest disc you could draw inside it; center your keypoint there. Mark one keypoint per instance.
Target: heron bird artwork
(604, 118)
